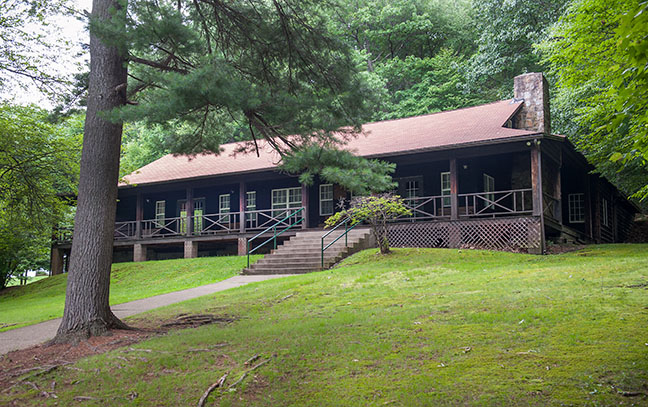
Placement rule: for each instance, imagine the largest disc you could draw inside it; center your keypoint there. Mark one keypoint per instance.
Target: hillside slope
(417, 327)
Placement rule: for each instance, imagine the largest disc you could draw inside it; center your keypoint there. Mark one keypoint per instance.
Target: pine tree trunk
(87, 311)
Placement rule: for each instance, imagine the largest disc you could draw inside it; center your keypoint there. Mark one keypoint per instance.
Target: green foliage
(272, 68)
(38, 161)
(335, 166)
(598, 55)
(29, 50)
(376, 210)
(426, 85)
(507, 31)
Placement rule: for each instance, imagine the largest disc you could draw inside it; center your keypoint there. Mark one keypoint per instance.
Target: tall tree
(37, 162)
(87, 310)
(508, 30)
(271, 66)
(598, 55)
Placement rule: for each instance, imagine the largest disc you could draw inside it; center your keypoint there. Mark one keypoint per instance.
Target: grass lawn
(417, 327)
(16, 281)
(44, 299)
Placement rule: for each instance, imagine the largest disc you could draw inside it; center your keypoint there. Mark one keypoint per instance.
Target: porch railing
(125, 230)
(479, 204)
(427, 207)
(551, 207)
(496, 203)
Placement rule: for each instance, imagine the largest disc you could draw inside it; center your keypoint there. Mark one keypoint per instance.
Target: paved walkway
(31, 335)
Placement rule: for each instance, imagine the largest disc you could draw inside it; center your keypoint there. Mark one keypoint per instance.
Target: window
(284, 199)
(445, 188)
(224, 208)
(412, 189)
(576, 208)
(198, 211)
(250, 205)
(489, 187)
(604, 213)
(160, 209)
(182, 214)
(326, 199)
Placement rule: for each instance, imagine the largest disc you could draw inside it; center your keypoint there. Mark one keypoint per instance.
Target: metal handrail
(275, 234)
(347, 229)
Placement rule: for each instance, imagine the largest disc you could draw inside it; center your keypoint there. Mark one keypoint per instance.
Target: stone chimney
(534, 90)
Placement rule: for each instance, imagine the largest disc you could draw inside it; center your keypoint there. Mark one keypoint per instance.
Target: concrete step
(302, 252)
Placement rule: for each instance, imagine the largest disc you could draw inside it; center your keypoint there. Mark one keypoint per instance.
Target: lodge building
(490, 176)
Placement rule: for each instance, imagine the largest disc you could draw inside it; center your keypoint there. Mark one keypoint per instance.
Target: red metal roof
(455, 128)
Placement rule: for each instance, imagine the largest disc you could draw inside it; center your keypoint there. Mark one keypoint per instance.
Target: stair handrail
(347, 229)
(275, 234)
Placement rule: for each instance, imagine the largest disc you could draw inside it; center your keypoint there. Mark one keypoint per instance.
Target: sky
(62, 29)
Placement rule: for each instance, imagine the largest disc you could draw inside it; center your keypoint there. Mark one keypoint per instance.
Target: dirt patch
(24, 364)
(563, 248)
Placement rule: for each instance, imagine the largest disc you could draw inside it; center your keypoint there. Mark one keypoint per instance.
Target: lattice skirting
(509, 234)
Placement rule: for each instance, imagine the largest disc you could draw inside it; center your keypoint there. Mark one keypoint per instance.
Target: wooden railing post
(454, 190)
(139, 215)
(190, 212)
(242, 206)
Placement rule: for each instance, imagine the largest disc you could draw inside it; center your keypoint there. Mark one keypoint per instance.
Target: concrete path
(31, 335)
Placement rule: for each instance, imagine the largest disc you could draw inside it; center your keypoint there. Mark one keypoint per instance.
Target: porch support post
(558, 190)
(242, 207)
(305, 204)
(536, 190)
(139, 216)
(56, 261)
(139, 252)
(242, 246)
(536, 180)
(454, 190)
(190, 214)
(190, 249)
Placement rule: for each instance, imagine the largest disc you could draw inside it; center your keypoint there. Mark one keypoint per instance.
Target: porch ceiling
(452, 129)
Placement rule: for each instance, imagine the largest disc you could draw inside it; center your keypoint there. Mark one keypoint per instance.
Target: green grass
(417, 327)
(44, 299)
(16, 281)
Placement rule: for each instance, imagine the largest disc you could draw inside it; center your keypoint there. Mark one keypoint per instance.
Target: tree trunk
(87, 311)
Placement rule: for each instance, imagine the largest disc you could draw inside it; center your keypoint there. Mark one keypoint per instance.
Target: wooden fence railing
(473, 205)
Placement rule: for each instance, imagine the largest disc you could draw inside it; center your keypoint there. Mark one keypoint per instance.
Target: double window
(576, 204)
(198, 212)
(285, 199)
(326, 199)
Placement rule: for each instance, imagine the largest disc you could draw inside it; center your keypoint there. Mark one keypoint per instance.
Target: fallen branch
(244, 375)
(83, 398)
(285, 298)
(252, 359)
(219, 383)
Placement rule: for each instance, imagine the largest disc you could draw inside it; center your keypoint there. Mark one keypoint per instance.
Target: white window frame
(250, 205)
(576, 207)
(160, 213)
(446, 191)
(223, 210)
(278, 208)
(489, 189)
(605, 219)
(327, 198)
